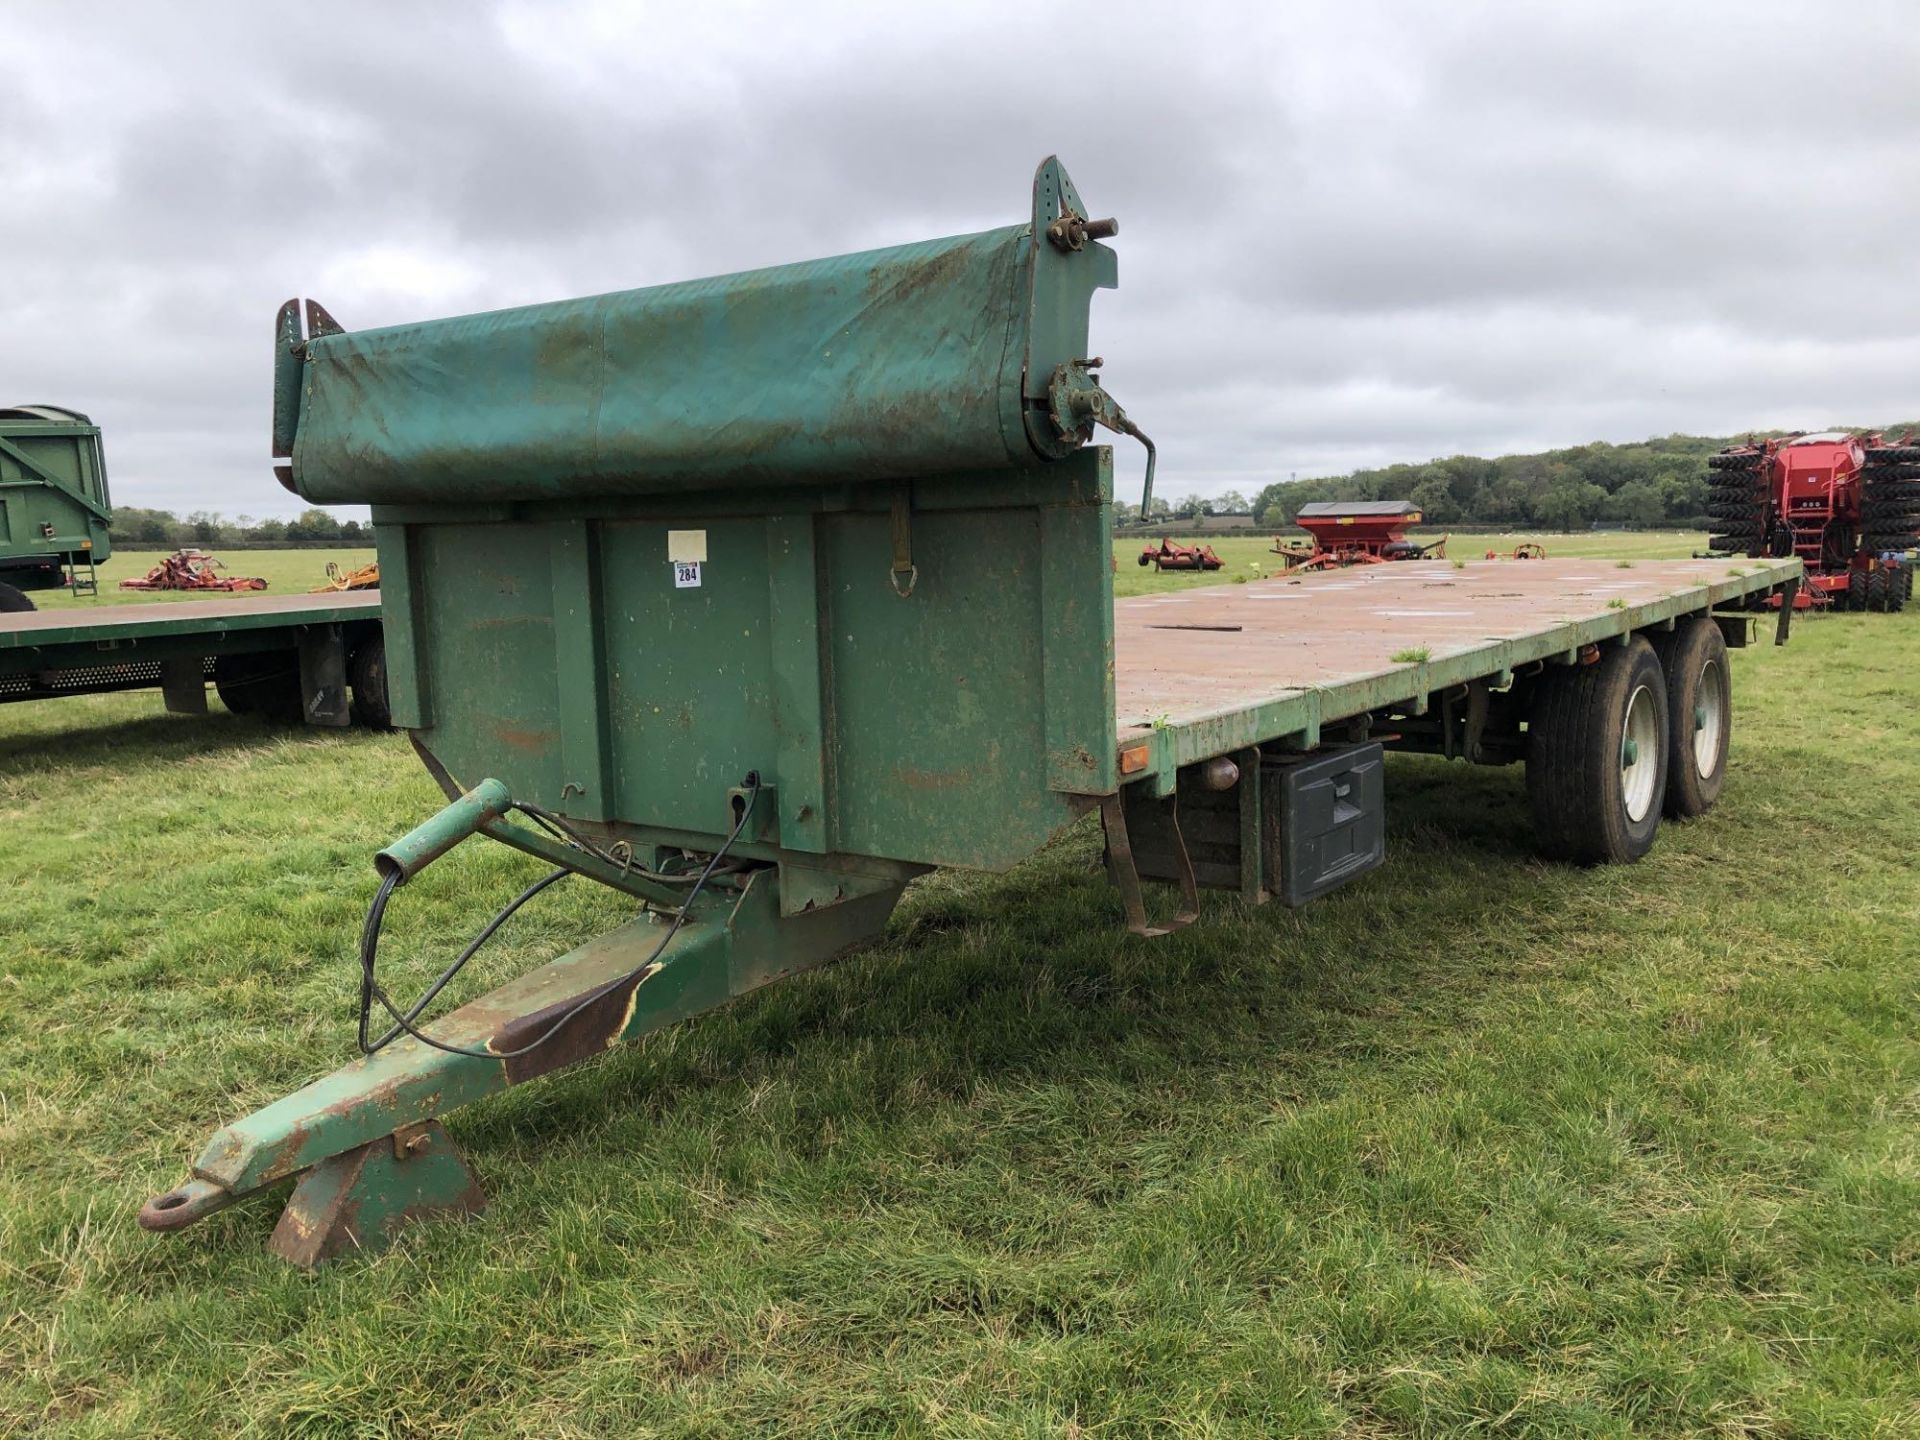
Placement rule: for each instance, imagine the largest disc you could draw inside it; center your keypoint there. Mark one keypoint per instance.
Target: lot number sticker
(686, 574)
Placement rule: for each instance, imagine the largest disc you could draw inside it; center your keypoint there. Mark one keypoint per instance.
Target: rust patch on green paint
(532, 742)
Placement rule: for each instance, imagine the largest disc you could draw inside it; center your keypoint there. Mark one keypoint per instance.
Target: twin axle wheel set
(1639, 732)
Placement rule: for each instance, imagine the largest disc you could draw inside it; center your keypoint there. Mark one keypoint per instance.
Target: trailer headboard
(835, 523)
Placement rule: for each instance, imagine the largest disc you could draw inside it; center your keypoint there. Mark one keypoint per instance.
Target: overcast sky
(1352, 232)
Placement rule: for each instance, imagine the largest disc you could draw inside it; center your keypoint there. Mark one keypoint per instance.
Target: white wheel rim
(1709, 718)
(1640, 754)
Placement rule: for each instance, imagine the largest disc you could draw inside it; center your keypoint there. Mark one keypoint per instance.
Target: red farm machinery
(192, 570)
(1847, 504)
(1356, 532)
(1172, 555)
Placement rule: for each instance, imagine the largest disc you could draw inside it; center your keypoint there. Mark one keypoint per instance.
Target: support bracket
(1126, 875)
(323, 676)
(363, 1198)
(183, 685)
(904, 574)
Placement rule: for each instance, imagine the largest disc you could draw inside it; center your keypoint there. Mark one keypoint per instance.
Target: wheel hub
(1709, 718)
(1640, 755)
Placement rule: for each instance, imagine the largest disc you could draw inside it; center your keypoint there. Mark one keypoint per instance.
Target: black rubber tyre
(1700, 715)
(1884, 518)
(1857, 590)
(1596, 799)
(1877, 591)
(368, 673)
(1733, 462)
(13, 600)
(1893, 454)
(265, 683)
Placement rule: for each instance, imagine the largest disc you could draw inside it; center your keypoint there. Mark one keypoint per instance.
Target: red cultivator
(1848, 505)
(1357, 532)
(1168, 555)
(192, 570)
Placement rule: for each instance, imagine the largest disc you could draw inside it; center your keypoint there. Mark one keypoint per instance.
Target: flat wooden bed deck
(1218, 665)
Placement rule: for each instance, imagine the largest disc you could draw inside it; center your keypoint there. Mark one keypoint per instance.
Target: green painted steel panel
(951, 726)
(689, 678)
(941, 746)
(481, 624)
(53, 485)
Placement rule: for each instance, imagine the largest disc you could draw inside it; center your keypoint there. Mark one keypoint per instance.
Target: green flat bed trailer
(54, 506)
(754, 598)
(289, 658)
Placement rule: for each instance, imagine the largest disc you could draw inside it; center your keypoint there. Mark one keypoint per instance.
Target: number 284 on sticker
(686, 574)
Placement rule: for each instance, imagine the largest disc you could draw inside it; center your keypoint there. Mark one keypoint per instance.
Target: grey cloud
(1352, 233)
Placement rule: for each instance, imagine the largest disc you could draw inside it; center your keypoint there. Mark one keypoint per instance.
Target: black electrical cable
(561, 830)
(370, 989)
(459, 963)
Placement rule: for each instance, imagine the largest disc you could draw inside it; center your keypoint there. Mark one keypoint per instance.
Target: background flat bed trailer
(288, 657)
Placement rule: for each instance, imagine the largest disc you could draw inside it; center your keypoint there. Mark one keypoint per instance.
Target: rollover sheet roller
(962, 354)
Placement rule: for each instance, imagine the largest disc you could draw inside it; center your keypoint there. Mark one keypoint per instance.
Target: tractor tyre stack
(1890, 506)
(1737, 501)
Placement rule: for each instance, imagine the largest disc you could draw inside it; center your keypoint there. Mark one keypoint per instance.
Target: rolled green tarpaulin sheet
(919, 359)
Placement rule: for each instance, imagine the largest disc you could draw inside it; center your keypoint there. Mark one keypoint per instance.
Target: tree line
(1659, 482)
(1650, 483)
(135, 525)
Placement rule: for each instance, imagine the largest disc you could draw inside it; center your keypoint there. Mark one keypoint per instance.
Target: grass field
(1477, 1146)
(287, 572)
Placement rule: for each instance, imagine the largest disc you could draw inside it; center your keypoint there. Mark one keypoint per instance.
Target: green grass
(1476, 1146)
(287, 572)
(1414, 655)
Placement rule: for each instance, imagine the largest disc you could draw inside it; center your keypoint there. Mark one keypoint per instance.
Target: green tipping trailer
(317, 659)
(54, 506)
(754, 598)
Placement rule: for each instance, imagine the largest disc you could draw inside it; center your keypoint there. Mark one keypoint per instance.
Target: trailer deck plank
(1225, 665)
(176, 617)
